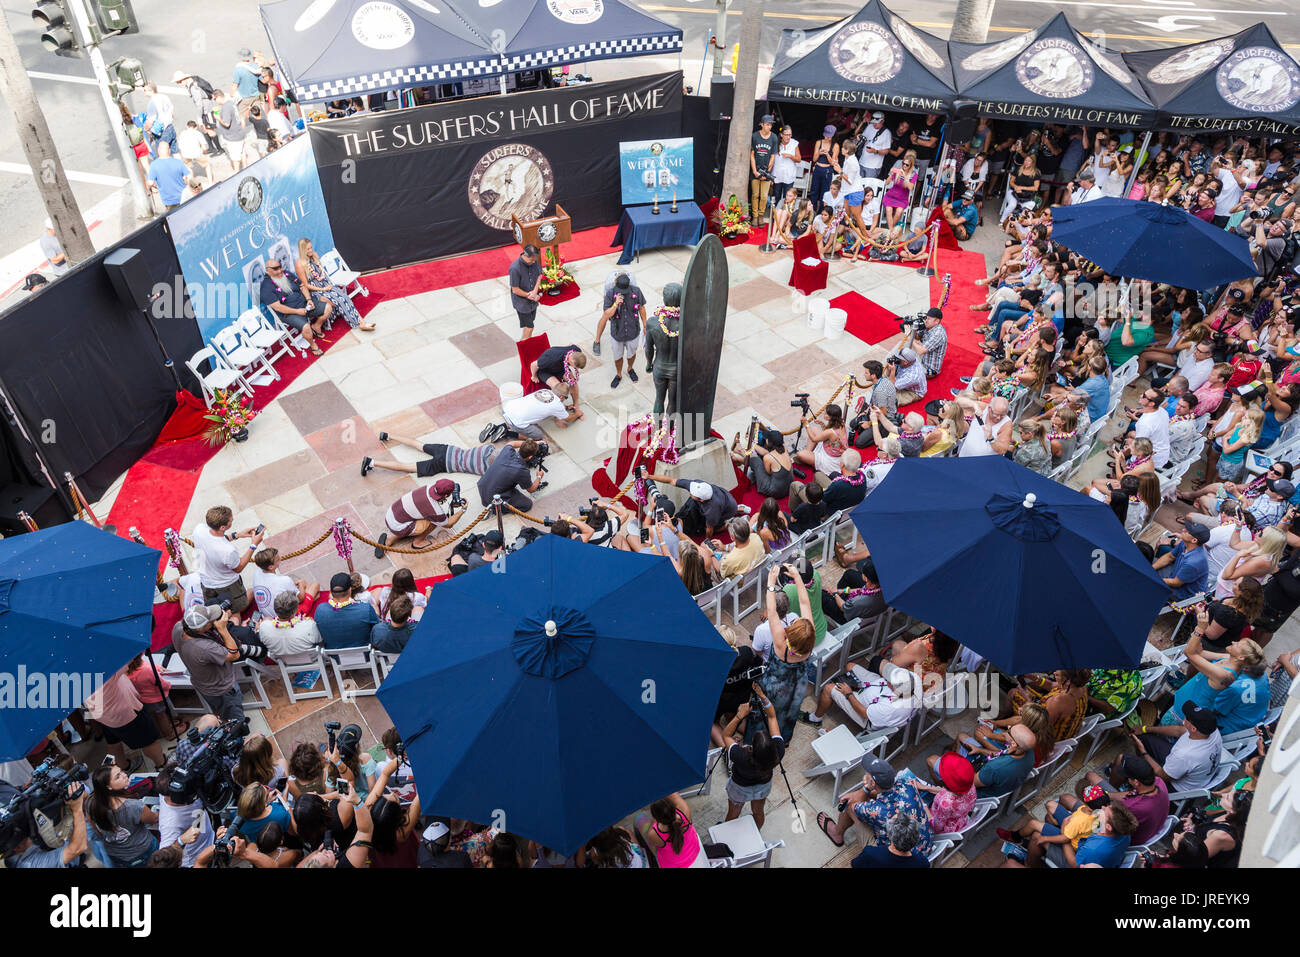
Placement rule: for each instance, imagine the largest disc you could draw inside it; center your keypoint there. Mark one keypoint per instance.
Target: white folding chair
(222, 377)
(838, 752)
(1159, 836)
(245, 358)
(1060, 754)
(1178, 800)
(979, 813)
(386, 660)
(817, 540)
(830, 649)
(710, 600)
(341, 275)
(293, 665)
(274, 340)
(249, 673)
(1100, 729)
(740, 585)
(703, 788)
(356, 660)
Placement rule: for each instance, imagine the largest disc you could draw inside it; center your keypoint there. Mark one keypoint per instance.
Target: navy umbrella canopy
(1051, 74)
(1246, 82)
(557, 694)
(873, 58)
(76, 604)
(1139, 240)
(1027, 572)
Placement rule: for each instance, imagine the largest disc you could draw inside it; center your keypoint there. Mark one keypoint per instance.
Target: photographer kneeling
(599, 521)
(421, 513)
(475, 550)
(511, 471)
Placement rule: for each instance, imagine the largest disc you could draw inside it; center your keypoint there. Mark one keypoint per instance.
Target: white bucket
(817, 310)
(836, 320)
(510, 390)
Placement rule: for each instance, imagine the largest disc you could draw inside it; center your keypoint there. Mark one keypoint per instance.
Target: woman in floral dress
(317, 282)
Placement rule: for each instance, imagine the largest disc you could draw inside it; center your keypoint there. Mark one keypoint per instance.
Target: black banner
(410, 185)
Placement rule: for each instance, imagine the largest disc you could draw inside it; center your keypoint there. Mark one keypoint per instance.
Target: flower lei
(885, 459)
(1058, 436)
(1135, 462)
(857, 479)
(668, 312)
(861, 590)
(342, 538)
(661, 444)
(1184, 418)
(570, 373)
(173, 542)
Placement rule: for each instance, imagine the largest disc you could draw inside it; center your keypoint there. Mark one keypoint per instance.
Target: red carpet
(571, 291)
(157, 490)
(868, 321)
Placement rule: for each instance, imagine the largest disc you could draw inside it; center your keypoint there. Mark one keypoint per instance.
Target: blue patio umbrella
(1029, 573)
(557, 694)
(76, 604)
(1133, 239)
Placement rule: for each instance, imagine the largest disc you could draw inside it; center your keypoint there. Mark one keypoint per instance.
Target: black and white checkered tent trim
(600, 50)
(396, 79)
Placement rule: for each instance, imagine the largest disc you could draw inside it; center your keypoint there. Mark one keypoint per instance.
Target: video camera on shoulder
(37, 811)
(206, 775)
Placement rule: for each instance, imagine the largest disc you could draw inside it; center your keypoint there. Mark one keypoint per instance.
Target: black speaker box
(130, 277)
(964, 122)
(722, 94)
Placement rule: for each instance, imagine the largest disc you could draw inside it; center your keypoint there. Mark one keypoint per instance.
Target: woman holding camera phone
(752, 764)
(783, 680)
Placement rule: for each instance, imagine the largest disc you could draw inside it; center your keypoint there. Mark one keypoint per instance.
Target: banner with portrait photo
(405, 186)
(657, 169)
(224, 236)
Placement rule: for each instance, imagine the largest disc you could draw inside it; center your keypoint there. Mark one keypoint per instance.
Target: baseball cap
(494, 538)
(765, 118)
(828, 131)
(443, 487)
(245, 53)
(1283, 487)
(1095, 796)
(968, 195)
(907, 355)
(877, 115)
(341, 581)
(934, 312)
(1203, 719)
(701, 490)
(1198, 531)
(201, 615)
(1138, 768)
(881, 772)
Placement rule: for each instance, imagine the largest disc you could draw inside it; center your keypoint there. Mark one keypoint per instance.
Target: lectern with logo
(547, 231)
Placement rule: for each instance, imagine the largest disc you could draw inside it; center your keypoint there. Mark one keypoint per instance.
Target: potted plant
(732, 218)
(229, 414)
(554, 276)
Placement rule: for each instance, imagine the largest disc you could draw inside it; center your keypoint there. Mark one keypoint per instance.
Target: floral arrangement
(732, 218)
(554, 276)
(229, 414)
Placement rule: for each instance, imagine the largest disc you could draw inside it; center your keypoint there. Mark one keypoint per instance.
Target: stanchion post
(28, 521)
(499, 508)
(928, 269)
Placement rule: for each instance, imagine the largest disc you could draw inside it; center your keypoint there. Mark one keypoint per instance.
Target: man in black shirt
(762, 154)
(925, 141)
(525, 288)
(548, 369)
(858, 594)
(708, 508)
(509, 472)
(849, 487)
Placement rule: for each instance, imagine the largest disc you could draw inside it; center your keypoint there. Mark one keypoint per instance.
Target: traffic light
(115, 16)
(125, 75)
(58, 33)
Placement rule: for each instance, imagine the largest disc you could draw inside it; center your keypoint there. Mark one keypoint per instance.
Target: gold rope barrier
(303, 551)
(420, 551)
(834, 396)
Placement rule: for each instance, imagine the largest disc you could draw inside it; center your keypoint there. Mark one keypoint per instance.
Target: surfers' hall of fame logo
(511, 179)
(866, 53)
(1188, 63)
(1259, 79)
(1056, 68)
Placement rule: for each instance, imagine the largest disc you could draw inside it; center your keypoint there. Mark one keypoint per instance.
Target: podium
(547, 231)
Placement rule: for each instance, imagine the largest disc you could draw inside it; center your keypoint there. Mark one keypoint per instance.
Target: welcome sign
(657, 169)
(224, 236)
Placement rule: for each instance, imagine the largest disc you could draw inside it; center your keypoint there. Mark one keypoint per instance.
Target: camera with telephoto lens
(457, 500)
(205, 776)
(37, 811)
(223, 848)
(800, 402)
(538, 461)
(225, 604)
(585, 510)
(914, 324)
(1259, 214)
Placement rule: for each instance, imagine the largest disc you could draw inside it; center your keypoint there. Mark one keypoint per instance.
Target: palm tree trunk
(970, 24)
(735, 177)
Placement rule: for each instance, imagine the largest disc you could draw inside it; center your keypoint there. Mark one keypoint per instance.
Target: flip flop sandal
(315, 350)
(823, 820)
(383, 539)
(421, 548)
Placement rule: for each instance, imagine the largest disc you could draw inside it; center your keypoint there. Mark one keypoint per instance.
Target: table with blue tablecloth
(641, 229)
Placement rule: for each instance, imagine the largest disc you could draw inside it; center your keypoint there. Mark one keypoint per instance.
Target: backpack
(204, 86)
